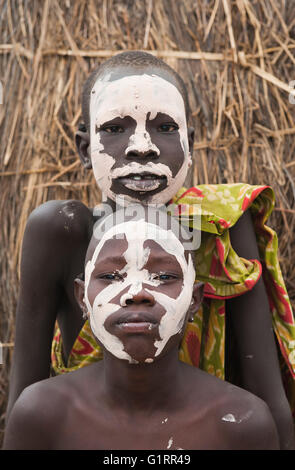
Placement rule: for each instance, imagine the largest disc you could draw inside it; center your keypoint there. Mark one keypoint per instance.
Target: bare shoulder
(231, 417)
(245, 421)
(53, 231)
(56, 218)
(33, 419)
(44, 412)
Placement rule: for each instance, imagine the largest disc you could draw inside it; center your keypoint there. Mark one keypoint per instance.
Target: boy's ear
(79, 291)
(197, 298)
(191, 138)
(82, 140)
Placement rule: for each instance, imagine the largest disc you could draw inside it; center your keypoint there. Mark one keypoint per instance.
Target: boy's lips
(142, 181)
(136, 322)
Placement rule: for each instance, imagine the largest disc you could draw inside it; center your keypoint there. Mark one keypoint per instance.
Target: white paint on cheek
(176, 309)
(100, 311)
(102, 163)
(136, 96)
(173, 320)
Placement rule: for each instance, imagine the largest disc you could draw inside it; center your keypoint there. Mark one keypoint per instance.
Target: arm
(54, 234)
(37, 303)
(251, 325)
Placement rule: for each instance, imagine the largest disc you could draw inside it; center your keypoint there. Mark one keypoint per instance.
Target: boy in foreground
(139, 293)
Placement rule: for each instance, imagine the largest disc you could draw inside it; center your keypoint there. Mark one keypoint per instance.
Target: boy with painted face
(139, 293)
(136, 139)
(130, 119)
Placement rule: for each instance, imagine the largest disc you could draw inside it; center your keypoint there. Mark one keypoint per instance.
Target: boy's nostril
(137, 299)
(152, 155)
(131, 301)
(132, 154)
(148, 154)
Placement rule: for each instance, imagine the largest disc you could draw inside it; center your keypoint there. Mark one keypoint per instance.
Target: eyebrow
(111, 259)
(161, 115)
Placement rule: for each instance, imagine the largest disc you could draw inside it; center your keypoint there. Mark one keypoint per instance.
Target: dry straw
(236, 57)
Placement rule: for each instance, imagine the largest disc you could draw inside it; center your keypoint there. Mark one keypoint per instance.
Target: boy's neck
(145, 387)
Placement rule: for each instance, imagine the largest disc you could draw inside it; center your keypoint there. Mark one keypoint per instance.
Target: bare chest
(161, 432)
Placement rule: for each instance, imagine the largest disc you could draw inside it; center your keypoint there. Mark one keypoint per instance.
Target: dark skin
(116, 405)
(47, 276)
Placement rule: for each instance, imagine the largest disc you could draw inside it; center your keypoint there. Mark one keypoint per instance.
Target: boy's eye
(111, 277)
(163, 277)
(112, 129)
(169, 127)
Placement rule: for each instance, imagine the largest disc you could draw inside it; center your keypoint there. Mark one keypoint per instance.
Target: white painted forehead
(150, 93)
(141, 230)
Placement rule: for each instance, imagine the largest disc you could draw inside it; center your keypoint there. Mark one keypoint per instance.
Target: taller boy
(139, 142)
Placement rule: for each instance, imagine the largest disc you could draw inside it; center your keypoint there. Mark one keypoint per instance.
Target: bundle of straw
(236, 58)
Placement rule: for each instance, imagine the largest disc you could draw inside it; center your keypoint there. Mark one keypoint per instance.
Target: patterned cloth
(224, 274)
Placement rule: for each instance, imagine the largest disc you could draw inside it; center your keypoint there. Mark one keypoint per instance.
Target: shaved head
(132, 62)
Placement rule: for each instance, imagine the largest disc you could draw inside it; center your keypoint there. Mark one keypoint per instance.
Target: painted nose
(142, 297)
(140, 145)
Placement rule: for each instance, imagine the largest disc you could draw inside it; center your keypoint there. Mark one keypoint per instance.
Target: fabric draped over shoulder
(217, 208)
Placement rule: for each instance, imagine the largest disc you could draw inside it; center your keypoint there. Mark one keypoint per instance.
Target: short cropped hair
(132, 59)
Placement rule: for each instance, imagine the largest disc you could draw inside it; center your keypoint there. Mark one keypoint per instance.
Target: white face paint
(136, 256)
(136, 96)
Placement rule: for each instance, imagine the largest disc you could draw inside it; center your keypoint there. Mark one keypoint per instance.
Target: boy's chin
(142, 361)
(149, 356)
(140, 352)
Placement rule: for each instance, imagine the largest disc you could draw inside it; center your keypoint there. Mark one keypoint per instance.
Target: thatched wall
(236, 57)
